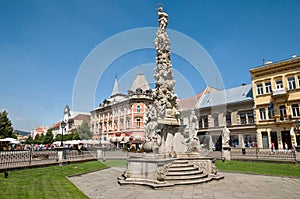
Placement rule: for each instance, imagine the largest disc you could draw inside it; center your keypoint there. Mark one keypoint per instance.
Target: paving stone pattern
(103, 184)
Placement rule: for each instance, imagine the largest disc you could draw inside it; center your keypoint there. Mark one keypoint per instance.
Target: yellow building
(276, 93)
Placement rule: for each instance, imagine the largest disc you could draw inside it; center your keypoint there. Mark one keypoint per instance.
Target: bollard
(5, 174)
(243, 151)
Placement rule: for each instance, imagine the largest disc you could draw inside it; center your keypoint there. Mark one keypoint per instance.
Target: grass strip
(47, 182)
(265, 168)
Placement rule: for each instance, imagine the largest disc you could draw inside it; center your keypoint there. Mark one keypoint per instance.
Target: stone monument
(225, 143)
(169, 159)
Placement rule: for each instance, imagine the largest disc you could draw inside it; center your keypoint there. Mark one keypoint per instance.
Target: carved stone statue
(165, 107)
(162, 19)
(151, 124)
(193, 124)
(225, 137)
(163, 95)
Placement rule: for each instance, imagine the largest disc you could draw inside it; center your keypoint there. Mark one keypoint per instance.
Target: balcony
(279, 92)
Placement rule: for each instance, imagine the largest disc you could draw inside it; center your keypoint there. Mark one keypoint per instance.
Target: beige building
(120, 119)
(216, 109)
(276, 92)
(231, 108)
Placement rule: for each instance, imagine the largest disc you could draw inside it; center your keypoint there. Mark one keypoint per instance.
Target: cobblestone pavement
(103, 184)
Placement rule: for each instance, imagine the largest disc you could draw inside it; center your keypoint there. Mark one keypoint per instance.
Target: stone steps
(179, 173)
(188, 182)
(184, 177)
(181, 165)
(179, 169)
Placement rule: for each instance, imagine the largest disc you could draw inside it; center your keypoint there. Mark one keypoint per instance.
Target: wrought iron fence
(15, 159)
(264, 154)
(256, 154)
(81, 155)
(26, 158)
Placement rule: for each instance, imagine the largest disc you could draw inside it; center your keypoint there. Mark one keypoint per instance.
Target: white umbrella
(15, 142)
(8, 139)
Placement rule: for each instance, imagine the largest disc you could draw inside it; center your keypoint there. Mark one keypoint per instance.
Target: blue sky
(44, 42)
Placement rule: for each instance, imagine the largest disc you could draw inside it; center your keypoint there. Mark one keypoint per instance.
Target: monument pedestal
(150, 169)
(159, 171)
(61, 154)
(226, 152)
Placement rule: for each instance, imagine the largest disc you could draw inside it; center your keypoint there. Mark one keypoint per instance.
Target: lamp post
(62, 125)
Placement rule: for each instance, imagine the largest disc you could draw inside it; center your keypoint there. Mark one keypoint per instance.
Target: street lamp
(62, 125)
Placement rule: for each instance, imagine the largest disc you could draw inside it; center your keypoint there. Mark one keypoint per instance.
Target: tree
(29, 140)
(57, 137)
(6, 129)
(48, 139)
(41, 139)
(76, 136)
(84, 131)
(36, 139)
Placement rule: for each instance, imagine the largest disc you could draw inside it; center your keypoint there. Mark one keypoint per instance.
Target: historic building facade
(120, 119)
(231, 108)
(276, 92)
(73, 120)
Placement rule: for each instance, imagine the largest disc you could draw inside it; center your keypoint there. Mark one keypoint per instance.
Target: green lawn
(46, 182)
(51, 182)
(115, 163)
(265, 168)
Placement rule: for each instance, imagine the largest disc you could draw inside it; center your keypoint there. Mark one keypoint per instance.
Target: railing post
(61, 153)
(30, 156)
(103, 156)
(297, 155)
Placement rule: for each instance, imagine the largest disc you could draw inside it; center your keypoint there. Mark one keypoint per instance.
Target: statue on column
(153, 139)
(193, 141)
(193, 124)
(225, 137)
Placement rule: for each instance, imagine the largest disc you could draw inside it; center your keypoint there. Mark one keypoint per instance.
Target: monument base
(226, 153)
(158, 171)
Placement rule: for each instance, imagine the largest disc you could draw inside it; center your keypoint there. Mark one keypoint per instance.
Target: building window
(259, 89)
(250, 118)
(228, 119)
(128, 123)
(205, 122)
(282, 111)
(262, 113)
(299, 81)
(250, 140)
(138, 121)
(270, 113)
(295, 110)
(234, 141)
(279, 84)
(243, 118)
(216, 120)
(138, 109)
(291, 83)
(268, 87)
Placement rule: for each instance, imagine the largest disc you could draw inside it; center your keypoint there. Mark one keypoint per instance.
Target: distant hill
(23, 133)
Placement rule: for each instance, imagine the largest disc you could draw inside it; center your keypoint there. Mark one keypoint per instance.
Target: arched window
(138, 108)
